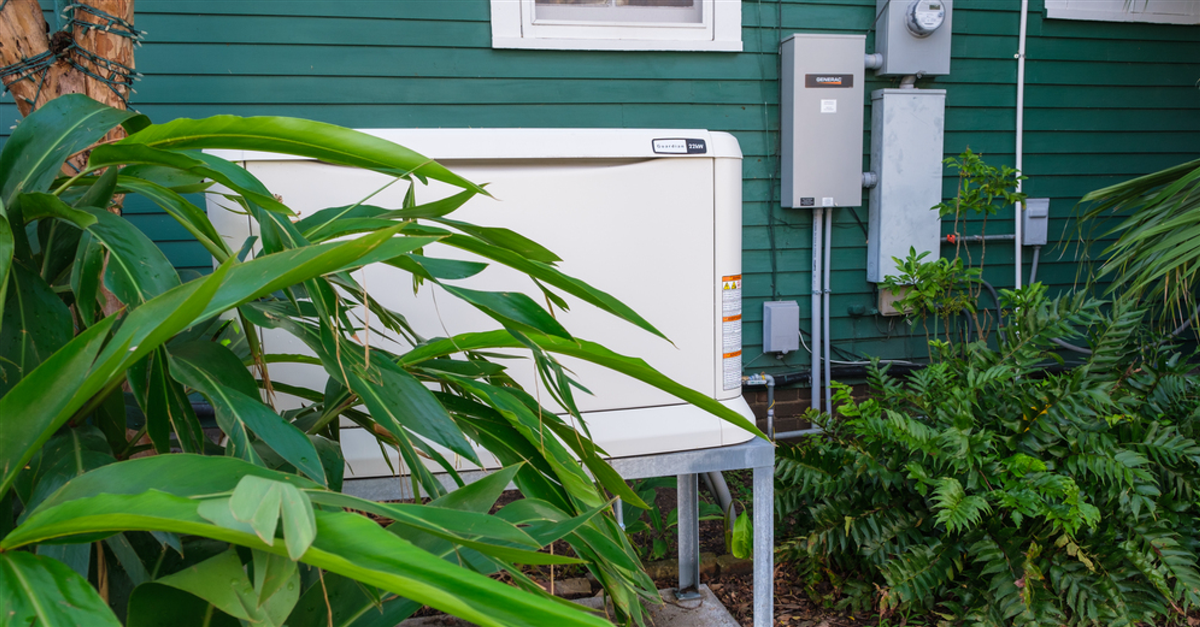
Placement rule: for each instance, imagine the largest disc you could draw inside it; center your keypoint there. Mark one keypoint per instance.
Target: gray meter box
(909, 42)
(907, 128)
(822, 120)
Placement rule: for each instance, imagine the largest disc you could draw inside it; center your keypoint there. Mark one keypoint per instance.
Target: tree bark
(24, 35)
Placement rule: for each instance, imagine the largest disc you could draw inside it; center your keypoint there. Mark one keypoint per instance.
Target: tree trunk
(96, 62)
(24, 35)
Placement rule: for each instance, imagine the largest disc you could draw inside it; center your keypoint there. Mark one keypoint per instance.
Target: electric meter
(925, 16)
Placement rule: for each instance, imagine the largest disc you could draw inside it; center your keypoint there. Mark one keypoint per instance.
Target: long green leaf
(350, 603)
(137, 269)
(86, 277)
(29, 416)
(512, 308)
(7, 248)
(240, 412)
(587, 351)
(37, 148)
(222, 581)
(40, 591)
(348, 544)
(208, 166)
(397, 400)
(188, 215)
(156, 605)
(64, 457)
(541, 271)
(292, 136)
(36, 324)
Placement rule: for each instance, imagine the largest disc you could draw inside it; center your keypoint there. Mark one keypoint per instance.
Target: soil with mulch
(734, 587)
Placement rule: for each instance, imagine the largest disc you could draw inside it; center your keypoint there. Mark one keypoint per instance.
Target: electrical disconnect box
(1035, 225)
(822, 120)
(907, 127)
(781, 326)
(913, 36)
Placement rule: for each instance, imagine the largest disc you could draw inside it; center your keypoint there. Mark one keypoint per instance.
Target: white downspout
(815, 376)
(1019, 240)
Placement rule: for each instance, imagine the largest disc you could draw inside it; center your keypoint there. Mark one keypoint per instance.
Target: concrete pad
(705, 611)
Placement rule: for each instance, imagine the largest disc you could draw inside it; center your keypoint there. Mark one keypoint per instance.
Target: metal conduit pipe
(817, 257)
(769, 381)
(715, 481)
(826, 350)
(792, 435)
(1018, 240)
(1037, 254)
(955, 238)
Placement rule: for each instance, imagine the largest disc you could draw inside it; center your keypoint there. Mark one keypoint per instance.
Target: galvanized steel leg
(764, 546)
(688, 492)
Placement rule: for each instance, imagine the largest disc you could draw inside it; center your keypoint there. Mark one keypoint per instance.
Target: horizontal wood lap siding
(1105, 102)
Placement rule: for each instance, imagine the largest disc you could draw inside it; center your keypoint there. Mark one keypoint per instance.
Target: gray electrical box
(1035, 223)
(913, 36)
(781, 326)
(907, 129)
(822, 120)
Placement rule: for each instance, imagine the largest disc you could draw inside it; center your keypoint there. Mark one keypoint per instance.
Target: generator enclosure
(822, 120)
(653, 217)
(907, 130)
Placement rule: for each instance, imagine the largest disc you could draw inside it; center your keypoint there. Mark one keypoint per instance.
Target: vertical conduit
(818, 219)
(1020, 140)
(826, 332)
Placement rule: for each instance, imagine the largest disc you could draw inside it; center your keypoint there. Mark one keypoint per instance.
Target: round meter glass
(925, 16)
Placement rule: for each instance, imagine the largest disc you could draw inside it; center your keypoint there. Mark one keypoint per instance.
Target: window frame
(1077, 10)
(720, 30)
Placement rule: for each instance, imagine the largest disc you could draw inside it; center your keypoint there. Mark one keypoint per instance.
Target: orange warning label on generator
(731, 331)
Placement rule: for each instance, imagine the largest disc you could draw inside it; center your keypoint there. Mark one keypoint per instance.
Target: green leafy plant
(941, 289)
(946, 288)
(655, 525)
(1157, 251)
(994, 492)
(252, 527)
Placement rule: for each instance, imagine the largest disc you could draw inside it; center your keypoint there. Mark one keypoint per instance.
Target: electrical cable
(859, 362)
(854, 213)
(999, 312)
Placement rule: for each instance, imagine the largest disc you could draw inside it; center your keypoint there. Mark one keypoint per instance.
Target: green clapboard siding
(1104, 102)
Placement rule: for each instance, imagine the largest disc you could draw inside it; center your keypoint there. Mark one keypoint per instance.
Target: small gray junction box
(781, 326)
(822, 120)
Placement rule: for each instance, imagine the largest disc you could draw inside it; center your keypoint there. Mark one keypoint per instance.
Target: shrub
(994, 491)
(255, 529)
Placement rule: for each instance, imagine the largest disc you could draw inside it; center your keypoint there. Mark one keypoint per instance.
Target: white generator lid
(542, 143)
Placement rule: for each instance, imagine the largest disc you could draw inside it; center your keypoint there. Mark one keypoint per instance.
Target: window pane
(657, 3)
(638, 11)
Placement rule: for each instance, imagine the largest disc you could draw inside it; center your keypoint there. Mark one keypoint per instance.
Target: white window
(618, 24)
(1158, 11)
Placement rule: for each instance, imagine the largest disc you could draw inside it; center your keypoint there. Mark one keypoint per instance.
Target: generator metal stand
(757, 455)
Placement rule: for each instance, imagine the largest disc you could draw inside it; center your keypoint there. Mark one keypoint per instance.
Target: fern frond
(917, 575)
(955, 509)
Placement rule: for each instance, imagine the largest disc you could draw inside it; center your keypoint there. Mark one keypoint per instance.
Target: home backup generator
(653, 217)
